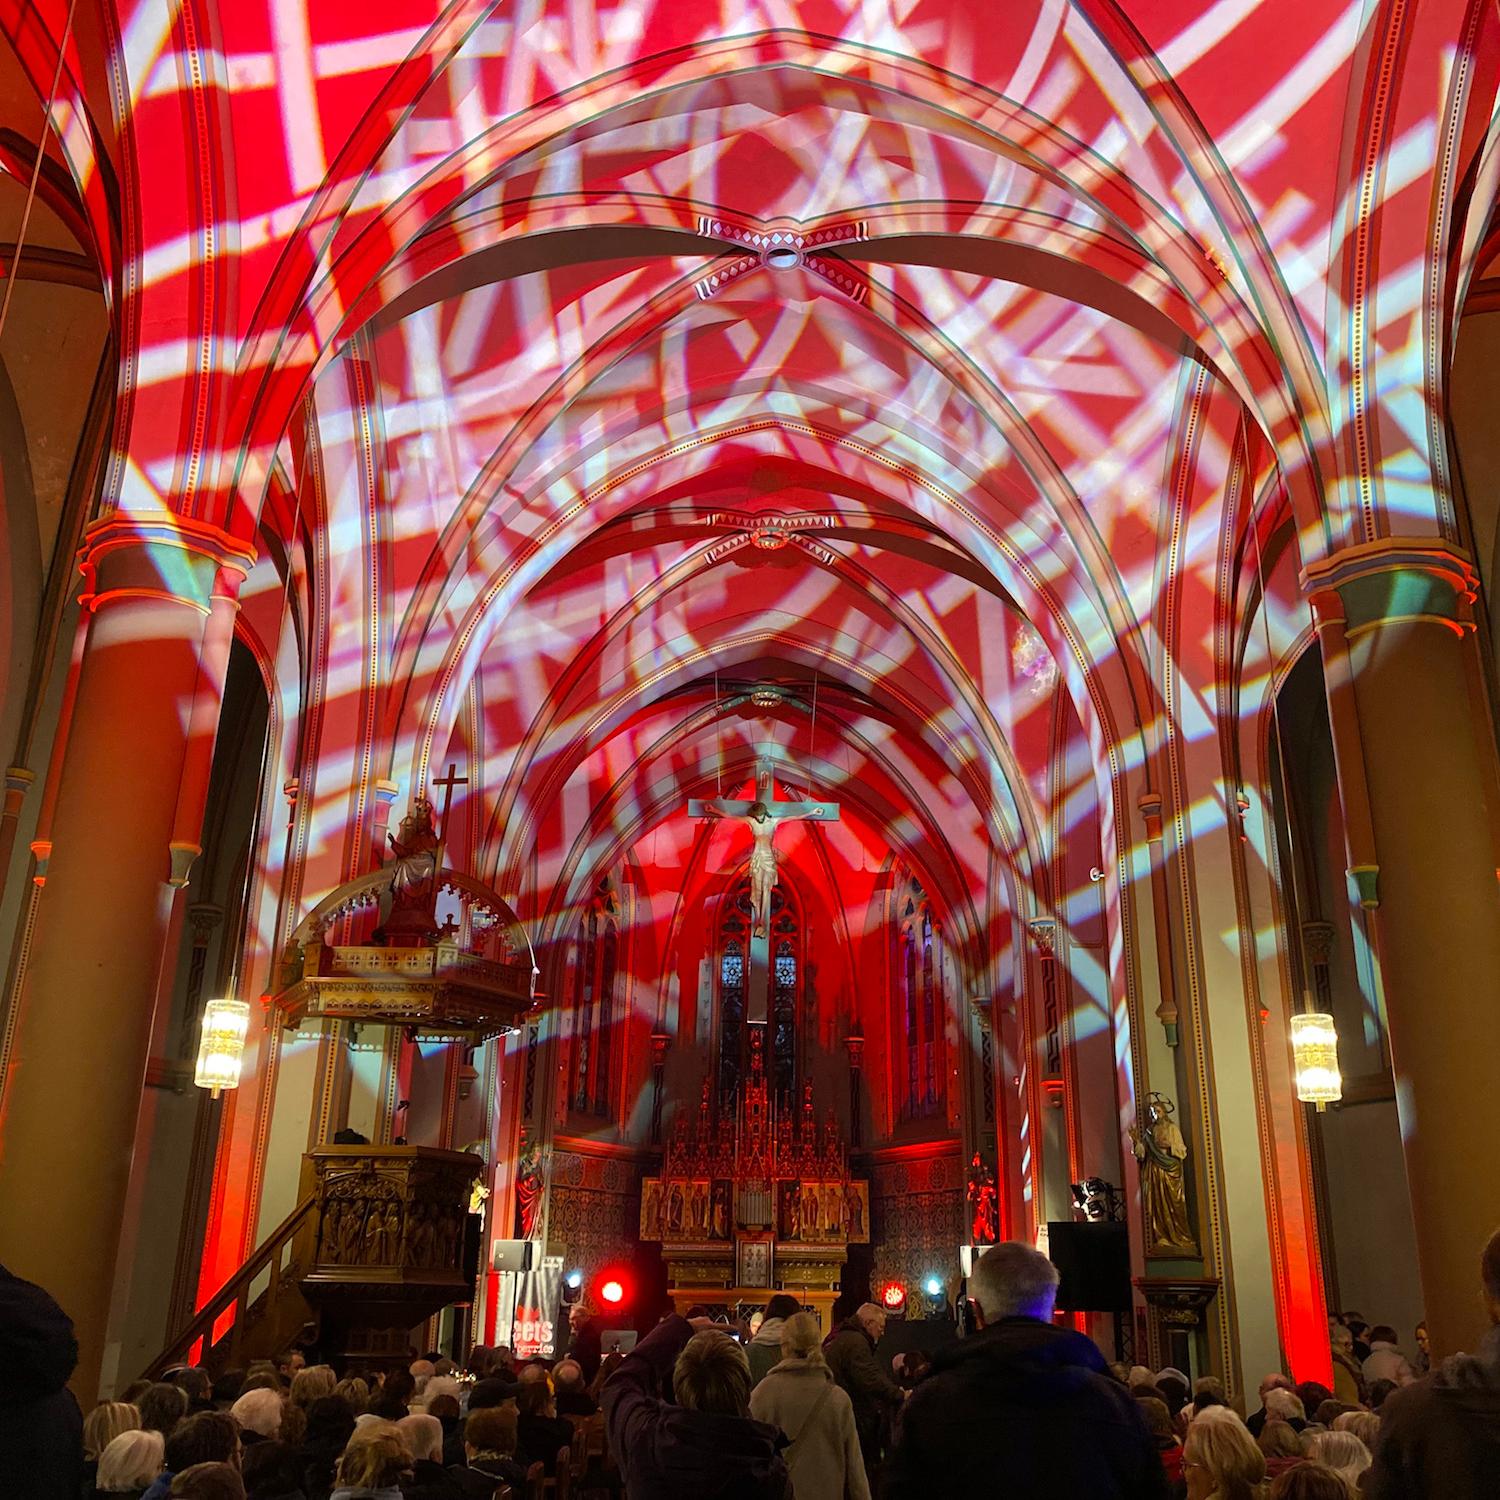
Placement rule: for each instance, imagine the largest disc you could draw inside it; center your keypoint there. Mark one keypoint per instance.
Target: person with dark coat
(703, 1445)
(489, 1454)
(1441, 1434)
(872, 1391)
(543, 1434)
(1021, 1407)
(585, 1339)
(41, 1427)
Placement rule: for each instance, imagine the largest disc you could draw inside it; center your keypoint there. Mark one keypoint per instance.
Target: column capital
(1317, 939)
(1411, 580)
(1043, 931)
(161, 556)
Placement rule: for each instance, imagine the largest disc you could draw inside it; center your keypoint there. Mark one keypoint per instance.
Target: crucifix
(762, 815)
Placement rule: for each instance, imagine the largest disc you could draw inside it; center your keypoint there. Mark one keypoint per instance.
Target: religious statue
(413, 884)
(529, 1188)
(984, 1200)
(1162, 1152)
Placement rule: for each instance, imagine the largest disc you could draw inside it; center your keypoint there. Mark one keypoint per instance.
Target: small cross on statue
(762, 816)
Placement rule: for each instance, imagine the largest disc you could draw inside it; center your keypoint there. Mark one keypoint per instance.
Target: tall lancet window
(919, 975)
(785, 992)
(596, 974)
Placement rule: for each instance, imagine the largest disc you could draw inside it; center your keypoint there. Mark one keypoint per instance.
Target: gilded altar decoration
(756, 1192)
(1162, 1152)
(984, 1203)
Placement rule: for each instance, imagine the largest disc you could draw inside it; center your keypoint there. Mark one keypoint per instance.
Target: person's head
(330, 1420)
(423, 1435)
(208, 1482)
(871, 1318)
(398, 1383)
(354, 1391)
(491, 1430)
(445, 1408)
(1340, 1337)
(1158, 1420)
(1382, 1333)
(133, 1392)
(444, 1366)
(194, 1381)
(1276, 1381)
(1309, 1481)
(1313, 1394)
(208, 1437)
(1012, 1281)
(579, 1314)
(1285, 1405)
(782, 1306)
(105, 1423)
(422, 1369)
(1211, 1385)
(376, 1458)
(1365, 1425)
(259, 1412)
(162, 1407)
(227, 1385)
(290, 1362)
(533, 1372)
(1489, 1276)
(130, 1461)
(1279, 1439)
(713, 1374)
(309, 1384)
(438, 1387)
(802, 1339)
(1344, 1453)
(484, 1394)
(1424, 1340)
(534, 1399)
(567, 1375)
(1220, 1459)
(1173, 1388)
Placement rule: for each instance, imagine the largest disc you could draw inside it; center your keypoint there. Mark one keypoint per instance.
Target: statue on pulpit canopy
(413, 886)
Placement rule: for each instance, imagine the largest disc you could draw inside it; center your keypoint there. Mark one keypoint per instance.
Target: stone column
(160, 595)
(1419, 778)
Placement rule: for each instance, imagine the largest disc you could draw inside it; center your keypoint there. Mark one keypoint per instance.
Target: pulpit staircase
(375, 1245)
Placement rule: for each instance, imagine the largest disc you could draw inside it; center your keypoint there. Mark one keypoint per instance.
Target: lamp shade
(1315, 1056)
(221, 1045)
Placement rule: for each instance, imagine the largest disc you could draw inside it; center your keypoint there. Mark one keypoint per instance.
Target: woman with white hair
(1344, 1453)
(258, 1414)
(130, 1463)
(799, 1396)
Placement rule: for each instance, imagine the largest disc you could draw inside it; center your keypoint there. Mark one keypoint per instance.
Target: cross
(448, 782)
(762, 815)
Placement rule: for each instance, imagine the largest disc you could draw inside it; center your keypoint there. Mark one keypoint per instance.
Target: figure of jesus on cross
(762, 815)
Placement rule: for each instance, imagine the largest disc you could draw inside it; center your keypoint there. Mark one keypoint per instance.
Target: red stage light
(893, 1296)
(612, 1292)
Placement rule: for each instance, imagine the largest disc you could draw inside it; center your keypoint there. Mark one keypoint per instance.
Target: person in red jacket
(1441, 1435)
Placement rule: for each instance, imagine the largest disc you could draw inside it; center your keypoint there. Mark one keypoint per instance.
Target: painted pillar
(160, 593)
(1418, 776)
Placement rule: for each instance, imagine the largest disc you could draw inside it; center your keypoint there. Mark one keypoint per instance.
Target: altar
(752, 1201)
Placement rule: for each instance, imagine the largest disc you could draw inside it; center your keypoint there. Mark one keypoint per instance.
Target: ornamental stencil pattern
(595, 1210)
(917, 1213)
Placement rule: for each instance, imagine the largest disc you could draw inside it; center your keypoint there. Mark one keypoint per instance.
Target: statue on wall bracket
(1162, 1153)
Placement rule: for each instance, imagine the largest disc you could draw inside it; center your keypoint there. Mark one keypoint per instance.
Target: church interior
(657, 652)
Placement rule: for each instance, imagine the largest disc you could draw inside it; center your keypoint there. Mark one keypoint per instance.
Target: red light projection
(615, 396)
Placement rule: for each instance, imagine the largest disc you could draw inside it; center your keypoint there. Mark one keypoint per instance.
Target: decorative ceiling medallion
(769, 540)
(766, 697)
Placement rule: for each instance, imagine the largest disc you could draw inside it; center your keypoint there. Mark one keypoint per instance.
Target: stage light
(1315, 1056)
(221, 1046)
(893, 1298)
(575, 1278)
(934, 1286)
(612, 1293)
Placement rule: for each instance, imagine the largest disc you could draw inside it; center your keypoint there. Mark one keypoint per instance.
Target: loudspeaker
(1094, 1263)
(512, 1255)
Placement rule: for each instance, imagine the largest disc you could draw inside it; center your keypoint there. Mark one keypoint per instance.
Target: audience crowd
(1022, 1406)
